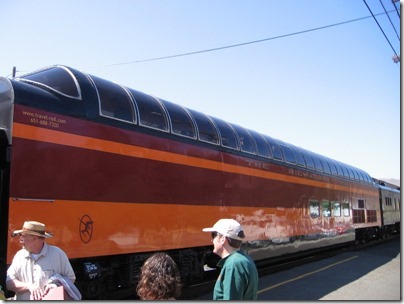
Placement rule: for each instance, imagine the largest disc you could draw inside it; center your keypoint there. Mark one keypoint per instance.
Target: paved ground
(383, 283)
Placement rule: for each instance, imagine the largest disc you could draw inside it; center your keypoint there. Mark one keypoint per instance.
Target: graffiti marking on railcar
(86, 228)
(44, 120)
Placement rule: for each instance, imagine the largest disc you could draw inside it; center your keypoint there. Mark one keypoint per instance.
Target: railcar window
(361, 178)
(358, 216)
(114, 101)
(351, 175)
(360, 175)
(317, 163)
(287, 152)
(371, 216)
(151, 113)
(58, 79)
(309, 160)
(206, 129)
(245, 140)
(345, 209)
(299, 157)
(262, 147)
(345, 170)
(326, 166)
(326, 208)
(181, 122)
(333, 168)
(314, 209)
(227, 135)
(357, 174)
(274, 147)
(339, 169)
(336, 209)
(367, 177)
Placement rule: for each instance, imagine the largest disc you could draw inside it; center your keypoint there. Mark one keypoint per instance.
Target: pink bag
(57, 293)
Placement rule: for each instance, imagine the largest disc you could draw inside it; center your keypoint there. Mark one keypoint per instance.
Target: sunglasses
(215, 234)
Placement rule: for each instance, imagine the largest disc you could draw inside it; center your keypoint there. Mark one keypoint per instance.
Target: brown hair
(159, 278)
(234, 243)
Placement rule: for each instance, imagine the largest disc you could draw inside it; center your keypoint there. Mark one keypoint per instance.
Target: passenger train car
(116, 174)
(390, 202)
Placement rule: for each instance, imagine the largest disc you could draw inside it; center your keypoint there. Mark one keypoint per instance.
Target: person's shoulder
(55, 249)
(236, 257)
(242, 257)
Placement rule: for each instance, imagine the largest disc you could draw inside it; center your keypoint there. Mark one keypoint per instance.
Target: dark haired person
(159, 278)
(238, 278)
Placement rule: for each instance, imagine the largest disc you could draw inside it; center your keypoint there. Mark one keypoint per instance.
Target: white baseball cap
(227, 227)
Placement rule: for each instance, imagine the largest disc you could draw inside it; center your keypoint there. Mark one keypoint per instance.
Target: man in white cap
(35, 263)
(238, 278)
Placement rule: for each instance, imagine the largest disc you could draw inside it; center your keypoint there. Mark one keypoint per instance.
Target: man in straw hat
(238, 278)
(33, 264)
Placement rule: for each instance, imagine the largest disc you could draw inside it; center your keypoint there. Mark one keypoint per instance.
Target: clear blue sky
(334, 91)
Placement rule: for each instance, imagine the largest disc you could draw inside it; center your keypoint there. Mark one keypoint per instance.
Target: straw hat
(33, 228)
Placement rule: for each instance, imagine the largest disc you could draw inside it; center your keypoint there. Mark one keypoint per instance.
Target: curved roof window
(115, 102)
(262, 146)
(299, 157)
(206, 129)
(227, 135)
(245, 140)
(333, 167)
(367, 177)
(339, 168)
(274, 147)
(351, 174)
(361, 177)
(287, 152)
(151, 112)
(317, 163)
(355, 173)
(309, 160)
(326, 166)
(56, 79)
(345, 170)
(181, 122)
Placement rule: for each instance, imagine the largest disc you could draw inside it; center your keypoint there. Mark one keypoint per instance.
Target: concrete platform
(383, 283)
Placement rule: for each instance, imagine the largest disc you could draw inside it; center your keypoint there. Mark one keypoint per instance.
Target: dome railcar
(117, 174)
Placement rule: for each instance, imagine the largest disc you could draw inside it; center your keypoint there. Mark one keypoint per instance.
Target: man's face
(218, 241)
(28, 241)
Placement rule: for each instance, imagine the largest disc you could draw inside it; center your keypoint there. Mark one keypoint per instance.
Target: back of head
(159, 279)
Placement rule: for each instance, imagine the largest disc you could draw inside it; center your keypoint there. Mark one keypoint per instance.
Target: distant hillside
(393, 181)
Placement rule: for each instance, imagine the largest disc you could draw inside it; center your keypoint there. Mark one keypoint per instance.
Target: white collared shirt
(26, 268)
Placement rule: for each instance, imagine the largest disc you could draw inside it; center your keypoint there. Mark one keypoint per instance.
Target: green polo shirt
(238, 278)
